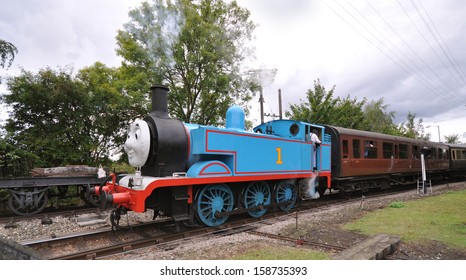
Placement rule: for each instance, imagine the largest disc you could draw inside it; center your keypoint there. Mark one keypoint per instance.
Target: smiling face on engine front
(137, 145)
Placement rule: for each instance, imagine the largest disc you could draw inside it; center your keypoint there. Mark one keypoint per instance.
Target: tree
(411, 129)
(7, 53)
(195, 47)
(452, 139)
(349, 113)
(110, 106)
(49, 116)
(378, 119)
(322, 108)
(67, 118)
(15, 161)
(318, 108)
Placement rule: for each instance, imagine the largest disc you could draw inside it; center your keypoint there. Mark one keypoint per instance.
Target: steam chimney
(159, 101)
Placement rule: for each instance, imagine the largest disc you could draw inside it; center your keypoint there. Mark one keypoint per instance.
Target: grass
(441, 218)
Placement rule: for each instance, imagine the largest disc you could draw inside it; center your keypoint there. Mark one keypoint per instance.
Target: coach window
(440, 154)
(345, 148)
(356, 149)
(387, 150)
(453, 154)
(433, 154)
(370, 149)
(416, 153)
(456, 154)
(463, 154)
(403, 151)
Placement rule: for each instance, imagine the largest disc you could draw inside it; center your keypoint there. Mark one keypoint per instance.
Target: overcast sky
(411, 53)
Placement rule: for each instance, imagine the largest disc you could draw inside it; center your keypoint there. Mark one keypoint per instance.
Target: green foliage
(196, 48)
(452, 139)
(322, 108)
(378, 119)
(349, 113)
(111, 104)
(122, 167)
(397, 204)
(7, 53)
(14, 160)
(62, 118)
(413, 129)
(439, 218)
(50, 118)
(317, 108)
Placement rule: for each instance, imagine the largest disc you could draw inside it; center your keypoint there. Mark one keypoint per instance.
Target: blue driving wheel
(285, 191)
(255, 194)
(214, 199)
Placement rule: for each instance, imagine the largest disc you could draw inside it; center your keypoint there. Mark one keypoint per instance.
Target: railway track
(104, 243)
(299, 241)
(124, 240)
(50, 213)
(162, 235)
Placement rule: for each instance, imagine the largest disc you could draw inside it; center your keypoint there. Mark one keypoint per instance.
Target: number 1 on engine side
(279, 156)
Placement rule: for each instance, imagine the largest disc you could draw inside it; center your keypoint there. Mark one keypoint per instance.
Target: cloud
(369, 49)
(359, 46)
(53, 32)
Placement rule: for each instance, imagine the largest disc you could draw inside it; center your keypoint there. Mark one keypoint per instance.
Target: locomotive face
(137, 144)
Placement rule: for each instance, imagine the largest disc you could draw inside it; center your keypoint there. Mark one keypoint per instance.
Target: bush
(397, 204)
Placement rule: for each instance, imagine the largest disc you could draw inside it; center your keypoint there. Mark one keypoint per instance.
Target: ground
(327, 228)
(323, 225)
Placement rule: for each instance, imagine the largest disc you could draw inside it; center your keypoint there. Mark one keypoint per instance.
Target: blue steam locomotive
(202, 173)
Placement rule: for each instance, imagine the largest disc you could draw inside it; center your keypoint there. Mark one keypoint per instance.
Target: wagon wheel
(213, 199)
(28, 201)
(256, 194)
(285, 191)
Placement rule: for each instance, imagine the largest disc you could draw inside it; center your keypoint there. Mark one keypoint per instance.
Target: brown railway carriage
(361, 159)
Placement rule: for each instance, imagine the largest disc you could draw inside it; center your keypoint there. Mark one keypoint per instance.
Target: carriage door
(316, 151)
(397, 157)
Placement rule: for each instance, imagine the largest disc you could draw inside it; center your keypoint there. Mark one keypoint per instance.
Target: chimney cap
(159, 86)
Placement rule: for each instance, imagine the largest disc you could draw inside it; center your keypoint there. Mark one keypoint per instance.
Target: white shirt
(315, 138)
